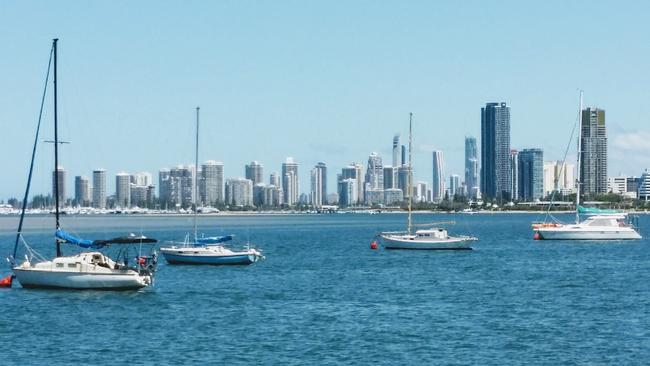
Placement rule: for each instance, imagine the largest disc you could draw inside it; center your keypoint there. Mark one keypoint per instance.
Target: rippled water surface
(323, 297)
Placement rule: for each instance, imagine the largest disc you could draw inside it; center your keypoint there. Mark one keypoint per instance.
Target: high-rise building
(255, 172)
(239, 192)
(290, 183)
(316, 187)
(353, 171)
(211, 183)
(403, 176)
(644, 186)
(176, 186)
(593, 167)
(454, 185)
(514, 175)
(495, 151)
(471, 167)
(142, 179)
(393, 196)
(396, 152)
(375, 173)
(274, 179)
(348, 192)
(403, 160)
(438, 183)
(558, 177)
(58, 176)
(123, 190)
(322, 167)
(420, 192)
(390, 177)
(531, 174)
(99, 188)
(81, 191)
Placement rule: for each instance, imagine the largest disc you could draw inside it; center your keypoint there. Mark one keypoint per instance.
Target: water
(323, 297)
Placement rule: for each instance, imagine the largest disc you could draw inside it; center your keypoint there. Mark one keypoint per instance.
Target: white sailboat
(432, 238)
(610, 226)
(86, 270)
(207, 250)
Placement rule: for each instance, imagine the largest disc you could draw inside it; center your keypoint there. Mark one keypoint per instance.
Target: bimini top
(86, 243)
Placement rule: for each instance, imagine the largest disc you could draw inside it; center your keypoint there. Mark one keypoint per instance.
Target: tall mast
(56, 150)
(196, 174)
(578, 182)
(410, 176)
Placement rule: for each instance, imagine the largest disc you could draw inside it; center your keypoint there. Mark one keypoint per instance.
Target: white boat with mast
(207, 250)
(431, 238)
(598, 226)
(85, 270)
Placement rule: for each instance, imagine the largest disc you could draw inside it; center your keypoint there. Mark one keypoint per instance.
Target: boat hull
(237, 259)
(563, 234)
(452, 244)
(32, 278)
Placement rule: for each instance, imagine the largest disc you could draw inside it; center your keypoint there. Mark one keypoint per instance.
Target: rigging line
(566, 152)
(31, 166)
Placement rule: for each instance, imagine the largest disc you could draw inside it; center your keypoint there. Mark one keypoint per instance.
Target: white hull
(452, 243)
(586, 234)
(88, 270)
(32, 278)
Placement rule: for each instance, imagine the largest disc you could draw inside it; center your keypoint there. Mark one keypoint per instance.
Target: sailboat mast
(196, 174)
(410, 176)
(578, 182)
(56, 150)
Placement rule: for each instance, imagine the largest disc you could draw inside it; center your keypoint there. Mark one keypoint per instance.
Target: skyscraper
(403, 160)
(58, 176)
(495, 151)
(531, 174)
(558, 177)
(593, 169)
(290, 183)
(323, 173)
(390, 177)
(353, 171)
(471, 167)
(255, 172)
(454, 185)
(123, 190)
(274, 179)
(81, 191)
(317, 187)
(438, 184)
(375, 172)
(396, 153)
(211, 183)
(99, 188)
(239, 192)
(514, 175)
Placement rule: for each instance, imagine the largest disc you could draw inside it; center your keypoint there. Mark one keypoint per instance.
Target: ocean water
(323, 297)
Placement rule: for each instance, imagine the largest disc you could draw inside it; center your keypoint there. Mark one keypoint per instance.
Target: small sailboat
(432, 238)
(85, 270)
(600, 225)
(207, 250)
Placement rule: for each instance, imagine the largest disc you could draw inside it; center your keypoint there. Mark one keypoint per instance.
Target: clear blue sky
(320, 81)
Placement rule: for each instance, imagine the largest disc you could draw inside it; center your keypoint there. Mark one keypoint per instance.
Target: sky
(326, 81)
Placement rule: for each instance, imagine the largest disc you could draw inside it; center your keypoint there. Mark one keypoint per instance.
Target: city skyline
(269, 91)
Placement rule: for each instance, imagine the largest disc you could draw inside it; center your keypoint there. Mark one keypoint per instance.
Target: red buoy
(373, 245)
(536, 236)
(6, 281)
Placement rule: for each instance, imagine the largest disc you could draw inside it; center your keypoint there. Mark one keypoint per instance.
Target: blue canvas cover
(69, 238)
(213, 239)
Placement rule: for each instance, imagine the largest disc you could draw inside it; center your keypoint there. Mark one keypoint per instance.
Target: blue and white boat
(207, 250)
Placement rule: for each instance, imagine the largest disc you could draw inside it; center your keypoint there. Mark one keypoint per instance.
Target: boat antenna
(196, 174)
(578, 182)
(56, 150)
(31, 166)
(410, 175)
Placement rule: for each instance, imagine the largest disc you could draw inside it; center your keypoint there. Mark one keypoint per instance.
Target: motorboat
(597, 227)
